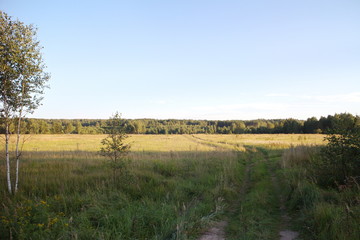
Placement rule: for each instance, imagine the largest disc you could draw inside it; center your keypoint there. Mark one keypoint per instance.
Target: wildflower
(52, 221)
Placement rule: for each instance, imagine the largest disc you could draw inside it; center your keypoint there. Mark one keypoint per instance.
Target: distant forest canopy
(329, 124)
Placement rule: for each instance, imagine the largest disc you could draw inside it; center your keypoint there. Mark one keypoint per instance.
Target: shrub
(341, 156)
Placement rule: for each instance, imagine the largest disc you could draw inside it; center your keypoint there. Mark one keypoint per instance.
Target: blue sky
(197, 59)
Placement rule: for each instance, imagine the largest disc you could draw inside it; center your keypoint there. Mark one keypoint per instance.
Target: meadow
(165, 143)
(174, 187)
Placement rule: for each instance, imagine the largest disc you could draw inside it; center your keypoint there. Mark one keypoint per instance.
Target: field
(166, 143)
(174, 187)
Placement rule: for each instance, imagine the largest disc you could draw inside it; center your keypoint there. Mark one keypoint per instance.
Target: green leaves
(22, 71)
(114, 146)
(22, 81)
(342, 154)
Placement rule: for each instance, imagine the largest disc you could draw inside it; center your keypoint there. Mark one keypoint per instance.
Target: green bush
(325, 186)
(341, 156)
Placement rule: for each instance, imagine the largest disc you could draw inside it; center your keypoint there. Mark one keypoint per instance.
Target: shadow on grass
(161, 195)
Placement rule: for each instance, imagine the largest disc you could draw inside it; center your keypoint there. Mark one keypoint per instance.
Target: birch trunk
(7, 138)
(7, 156)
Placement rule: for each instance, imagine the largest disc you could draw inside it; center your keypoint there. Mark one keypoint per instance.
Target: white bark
(7, 156)
(7, 138)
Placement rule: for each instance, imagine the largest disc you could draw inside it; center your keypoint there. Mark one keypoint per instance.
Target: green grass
(322, 213)
(257, 214)
(174, 187)
(163, 195)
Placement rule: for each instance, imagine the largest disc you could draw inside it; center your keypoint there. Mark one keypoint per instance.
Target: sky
(197, 59)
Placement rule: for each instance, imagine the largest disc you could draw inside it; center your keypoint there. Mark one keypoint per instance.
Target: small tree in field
(22, 82)
(114, 146)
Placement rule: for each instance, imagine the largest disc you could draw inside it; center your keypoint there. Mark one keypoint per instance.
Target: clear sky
(197, 59)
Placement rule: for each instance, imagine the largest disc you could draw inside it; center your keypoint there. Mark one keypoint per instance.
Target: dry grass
(166, 143)
(274, 141)
(71, 142)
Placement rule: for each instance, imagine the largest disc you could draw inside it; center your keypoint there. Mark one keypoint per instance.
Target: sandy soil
(216, 232)
(288, 235)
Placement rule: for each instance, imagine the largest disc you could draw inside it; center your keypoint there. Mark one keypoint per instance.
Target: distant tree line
(329, 124)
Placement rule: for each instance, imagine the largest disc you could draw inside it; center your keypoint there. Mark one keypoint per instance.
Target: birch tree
(23, 80)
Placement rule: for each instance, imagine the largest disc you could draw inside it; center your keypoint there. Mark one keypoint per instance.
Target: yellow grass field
(266, 140)
(167, 143)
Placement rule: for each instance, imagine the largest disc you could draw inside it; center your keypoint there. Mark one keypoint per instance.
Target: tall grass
(171, 195)
(174, 186)
(326, 213)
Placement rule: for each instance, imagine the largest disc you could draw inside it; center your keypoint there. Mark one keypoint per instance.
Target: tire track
(285, 233)
(217, 230)
(211, 144)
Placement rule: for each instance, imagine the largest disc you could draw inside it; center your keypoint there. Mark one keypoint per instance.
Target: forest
(330, 124)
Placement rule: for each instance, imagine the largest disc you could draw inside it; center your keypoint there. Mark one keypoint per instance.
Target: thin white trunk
(17, 174)
(7, 138)
(7, 156)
